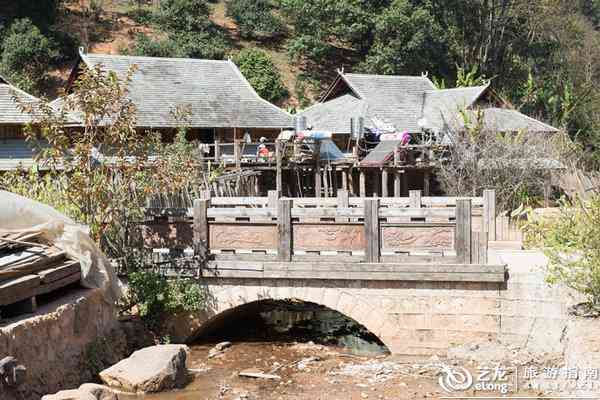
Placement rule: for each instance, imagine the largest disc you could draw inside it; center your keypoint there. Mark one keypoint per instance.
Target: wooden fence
(412, 229)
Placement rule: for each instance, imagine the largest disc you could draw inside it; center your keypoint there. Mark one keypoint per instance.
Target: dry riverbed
(309, 372)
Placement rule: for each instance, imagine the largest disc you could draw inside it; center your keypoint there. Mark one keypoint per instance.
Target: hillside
(114, 32)
(542, 56)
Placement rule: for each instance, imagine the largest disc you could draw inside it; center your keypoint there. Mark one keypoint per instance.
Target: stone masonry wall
(52, 343)
(427, 318)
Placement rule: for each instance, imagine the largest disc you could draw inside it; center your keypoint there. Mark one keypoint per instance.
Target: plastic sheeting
(21, 214)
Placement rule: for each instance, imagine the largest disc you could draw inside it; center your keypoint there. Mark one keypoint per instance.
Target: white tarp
(21, 214)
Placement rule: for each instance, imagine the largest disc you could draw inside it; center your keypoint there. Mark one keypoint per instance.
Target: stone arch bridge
(414, 271)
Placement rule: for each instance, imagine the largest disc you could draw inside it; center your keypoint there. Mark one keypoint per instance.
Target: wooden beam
(284, 230)
(463, 230)
(489, 213)
(200, 228)
(426, 179)
(372, 234)
(397, 184)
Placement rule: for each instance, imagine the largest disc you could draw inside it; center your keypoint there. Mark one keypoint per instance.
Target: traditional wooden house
(356, 103)
(410, 103)
(15, 151)
(223, 105)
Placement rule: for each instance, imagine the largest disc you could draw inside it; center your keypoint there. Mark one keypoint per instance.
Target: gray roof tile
(10, 113)
(216, 90)
(406, 102)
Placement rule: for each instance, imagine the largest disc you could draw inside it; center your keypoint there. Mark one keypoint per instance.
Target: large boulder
(152, 369)
(74, 394)
(100, 392)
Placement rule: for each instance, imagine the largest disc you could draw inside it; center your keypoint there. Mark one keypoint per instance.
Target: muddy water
(311, 372)
(218, 378)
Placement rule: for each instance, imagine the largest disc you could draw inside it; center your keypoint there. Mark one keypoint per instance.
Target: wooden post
(426, 182)
(333, 183)
(397, 186)
(273, 198)
(317, 168)
(342, 199)
(384, 182)
(279, 172)
(463, 230)
(547, 190)
(404, 183)
(284, 230)
(362, 183)
(342, 202)
(326, 181)
(217, 151)
(237, 154)
(201, 244)
(345, 178)
(372, 251)
(415, 198)
(489, 213)
(479, 247)
(351, 181)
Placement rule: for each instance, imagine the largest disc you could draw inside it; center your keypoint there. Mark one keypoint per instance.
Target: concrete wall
(426, 318)
(54, 343)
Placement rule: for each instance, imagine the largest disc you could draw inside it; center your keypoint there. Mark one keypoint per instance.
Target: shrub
(183, 15)
(154, 295)
(25, 55)
(571, 241)
(255, 18)
(262, 74)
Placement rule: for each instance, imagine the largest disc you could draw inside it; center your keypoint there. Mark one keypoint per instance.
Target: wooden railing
(414, 229)
(237, 152)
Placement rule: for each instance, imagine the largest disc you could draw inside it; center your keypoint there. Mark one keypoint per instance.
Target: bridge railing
(412, 230)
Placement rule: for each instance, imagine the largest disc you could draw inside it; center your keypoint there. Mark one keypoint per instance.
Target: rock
(100, 392)
(255, 373)
(218, 349)
(152, 369)
(74, 394)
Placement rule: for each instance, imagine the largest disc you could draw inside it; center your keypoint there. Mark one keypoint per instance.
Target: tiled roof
(217, 92)
(334, 115)
(10, 113)
(397, 100)
(408, 103)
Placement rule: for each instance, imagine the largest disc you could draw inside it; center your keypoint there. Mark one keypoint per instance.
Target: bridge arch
(226, 299)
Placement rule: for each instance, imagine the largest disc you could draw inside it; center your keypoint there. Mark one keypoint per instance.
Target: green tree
(262, 74)
(26, 53)
(255, 18)
(407, 40)
(323, 26)
(187, 32)
(183, 15)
